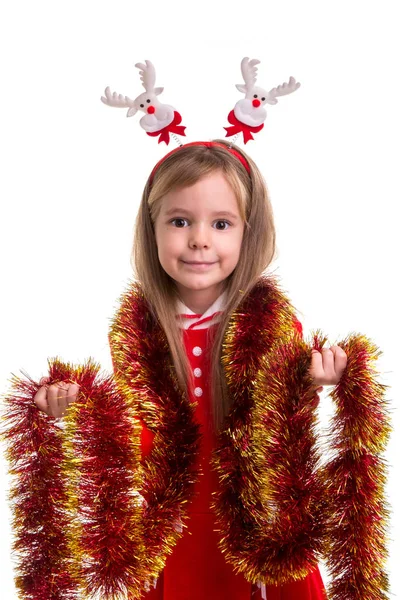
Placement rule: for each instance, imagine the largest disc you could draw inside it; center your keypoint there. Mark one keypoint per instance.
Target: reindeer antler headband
(247, 116)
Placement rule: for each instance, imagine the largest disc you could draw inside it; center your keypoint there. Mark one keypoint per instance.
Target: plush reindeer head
(146, 102)
(257, 95)
(159, 119)
(249, 114)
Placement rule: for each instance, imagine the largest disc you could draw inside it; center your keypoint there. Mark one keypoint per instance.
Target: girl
(202, 344)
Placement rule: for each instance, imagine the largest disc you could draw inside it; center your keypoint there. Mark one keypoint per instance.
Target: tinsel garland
(355, 479)
(77, 513)
(146, 377)
(270, 501)
(91, 517)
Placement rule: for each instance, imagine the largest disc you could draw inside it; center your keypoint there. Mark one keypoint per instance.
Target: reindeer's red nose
(151, 110)
(256, 103)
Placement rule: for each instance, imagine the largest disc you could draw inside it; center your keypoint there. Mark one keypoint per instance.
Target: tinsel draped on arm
(76, 515)
(355, 479)
(279, 510)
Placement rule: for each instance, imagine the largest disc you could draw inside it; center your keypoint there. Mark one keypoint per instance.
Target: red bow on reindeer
(173, 127)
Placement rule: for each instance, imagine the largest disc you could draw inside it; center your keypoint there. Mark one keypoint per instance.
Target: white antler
(249, 73)
(117, 100)
(147, 75)
(282, 90)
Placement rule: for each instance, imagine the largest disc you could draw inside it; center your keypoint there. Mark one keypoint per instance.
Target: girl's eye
(220, 221)
(226, 222)
(177, 219)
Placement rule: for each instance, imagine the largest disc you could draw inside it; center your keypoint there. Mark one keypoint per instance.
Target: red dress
(196, 570)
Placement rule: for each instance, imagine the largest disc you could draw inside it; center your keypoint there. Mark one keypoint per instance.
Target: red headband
(209, 145)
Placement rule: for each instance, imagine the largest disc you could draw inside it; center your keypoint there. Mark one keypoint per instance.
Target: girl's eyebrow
(213, 214)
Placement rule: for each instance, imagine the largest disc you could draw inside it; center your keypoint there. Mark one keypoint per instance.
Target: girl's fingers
(328, 360)
(340, 359)
(316, 361)
(328, 365)
(62, 397)
(72, 392)
(54, 399)
(323, 366)
(54, 392)
(40, 399)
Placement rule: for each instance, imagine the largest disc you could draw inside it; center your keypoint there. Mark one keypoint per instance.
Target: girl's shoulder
(268, 296)
(266, 309)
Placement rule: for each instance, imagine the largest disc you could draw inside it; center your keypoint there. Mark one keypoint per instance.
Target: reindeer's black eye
(255, 96)
(141, 106)
(262, 98)
(148, 100)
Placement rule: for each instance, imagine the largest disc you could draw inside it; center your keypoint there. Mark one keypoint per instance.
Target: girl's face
(200, 224)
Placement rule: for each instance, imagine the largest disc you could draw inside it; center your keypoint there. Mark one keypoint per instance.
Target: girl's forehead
(206, 187)
(196, 204)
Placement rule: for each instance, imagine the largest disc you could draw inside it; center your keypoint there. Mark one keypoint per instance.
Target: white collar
(191, 321)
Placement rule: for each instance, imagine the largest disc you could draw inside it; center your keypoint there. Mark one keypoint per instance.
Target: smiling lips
(198, 265)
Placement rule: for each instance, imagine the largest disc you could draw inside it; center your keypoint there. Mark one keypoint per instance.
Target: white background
(73, 169)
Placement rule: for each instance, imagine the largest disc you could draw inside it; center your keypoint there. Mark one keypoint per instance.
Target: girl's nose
(199, 239)
(256, 102)
(199, 242)
(151, 110)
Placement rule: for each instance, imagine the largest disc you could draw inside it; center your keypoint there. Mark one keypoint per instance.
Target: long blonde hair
(184, 168)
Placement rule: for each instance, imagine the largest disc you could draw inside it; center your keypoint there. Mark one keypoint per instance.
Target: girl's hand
(327, 367)
(55, 399)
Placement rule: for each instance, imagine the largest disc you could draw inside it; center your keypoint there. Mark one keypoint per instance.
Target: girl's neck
(199, 301)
